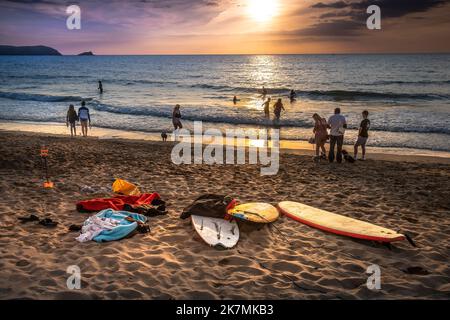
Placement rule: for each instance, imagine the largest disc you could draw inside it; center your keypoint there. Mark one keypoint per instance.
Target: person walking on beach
(363, 135)
(320, 136)
(337, 124)
(100, 87)
(176, 117)
(71, 120)
(84, 117)
(277, 107)
(266, 106)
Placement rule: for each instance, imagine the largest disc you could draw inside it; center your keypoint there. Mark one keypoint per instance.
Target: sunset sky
(228, 26)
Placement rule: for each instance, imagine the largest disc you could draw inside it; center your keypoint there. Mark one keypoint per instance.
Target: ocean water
(408, 96)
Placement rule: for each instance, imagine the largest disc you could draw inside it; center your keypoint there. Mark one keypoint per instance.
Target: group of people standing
(337, 125)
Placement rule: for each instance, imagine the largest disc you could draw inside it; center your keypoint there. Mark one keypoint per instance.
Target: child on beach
(84, 117)
(71, 120)
(363, 135)
(320, 136)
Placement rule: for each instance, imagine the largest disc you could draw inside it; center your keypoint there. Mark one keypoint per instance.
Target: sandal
(47, 222)
(31, 218)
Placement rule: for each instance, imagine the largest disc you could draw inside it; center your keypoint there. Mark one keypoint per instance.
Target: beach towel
(116, 203)
(110, 225)
(209, 205)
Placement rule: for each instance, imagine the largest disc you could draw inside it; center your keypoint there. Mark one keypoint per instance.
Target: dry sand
(173, 263)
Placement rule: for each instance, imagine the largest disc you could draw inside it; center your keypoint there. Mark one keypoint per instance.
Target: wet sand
(171, 262)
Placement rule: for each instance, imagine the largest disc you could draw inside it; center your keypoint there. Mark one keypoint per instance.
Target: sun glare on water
(262, 10)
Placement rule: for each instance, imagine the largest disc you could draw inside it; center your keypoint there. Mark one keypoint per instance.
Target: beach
(287, 260)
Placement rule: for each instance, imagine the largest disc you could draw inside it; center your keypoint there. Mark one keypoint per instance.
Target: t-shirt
(365, 126)
(337, 122)
(83, 114)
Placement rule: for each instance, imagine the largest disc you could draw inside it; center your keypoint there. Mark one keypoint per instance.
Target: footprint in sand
(22, 263)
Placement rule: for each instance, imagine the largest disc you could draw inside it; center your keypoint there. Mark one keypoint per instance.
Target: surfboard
(216, 232)
(336, 223)
(255, 212)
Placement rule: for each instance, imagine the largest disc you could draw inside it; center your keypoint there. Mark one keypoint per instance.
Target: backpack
(209, 205)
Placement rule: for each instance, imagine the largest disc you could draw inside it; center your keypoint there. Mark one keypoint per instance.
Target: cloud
(347, 18)
(389, 8)
(334, 5)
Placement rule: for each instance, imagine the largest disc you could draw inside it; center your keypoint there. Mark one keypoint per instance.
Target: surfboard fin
(217, 230)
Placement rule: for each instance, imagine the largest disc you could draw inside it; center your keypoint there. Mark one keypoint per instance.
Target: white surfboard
(216, 232)
(337, 223)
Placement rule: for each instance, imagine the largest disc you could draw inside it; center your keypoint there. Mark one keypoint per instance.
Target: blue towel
(123, 229)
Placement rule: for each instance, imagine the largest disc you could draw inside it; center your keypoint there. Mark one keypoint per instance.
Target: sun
(262, 10)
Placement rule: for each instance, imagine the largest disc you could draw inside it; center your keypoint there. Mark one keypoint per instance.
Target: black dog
(164, 136)
(348, 157)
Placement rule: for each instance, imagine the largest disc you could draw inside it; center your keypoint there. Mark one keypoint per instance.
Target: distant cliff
(87, 53)
(28, 51)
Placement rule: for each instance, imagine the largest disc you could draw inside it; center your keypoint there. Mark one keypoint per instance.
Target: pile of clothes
(119, 216)
(111, 225)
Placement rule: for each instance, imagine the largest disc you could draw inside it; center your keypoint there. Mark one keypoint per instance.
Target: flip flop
(75, 227)
(31, 218)
(47, 222)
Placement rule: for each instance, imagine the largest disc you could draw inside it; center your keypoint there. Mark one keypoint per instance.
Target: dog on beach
(348, 157)
(164, 136)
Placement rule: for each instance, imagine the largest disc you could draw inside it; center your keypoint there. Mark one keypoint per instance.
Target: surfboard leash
(409, 238)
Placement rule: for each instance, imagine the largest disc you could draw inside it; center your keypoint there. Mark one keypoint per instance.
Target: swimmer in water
(278, 106)
(267, 108)
(264, 92)
(292, 95)
(100, 87)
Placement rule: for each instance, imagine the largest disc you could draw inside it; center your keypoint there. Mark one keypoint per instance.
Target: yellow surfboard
(337, 223)
(255, 212)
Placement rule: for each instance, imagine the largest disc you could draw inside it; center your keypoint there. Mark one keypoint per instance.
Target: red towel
(116, 203)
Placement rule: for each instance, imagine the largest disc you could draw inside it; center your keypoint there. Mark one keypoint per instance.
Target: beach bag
(209, 205)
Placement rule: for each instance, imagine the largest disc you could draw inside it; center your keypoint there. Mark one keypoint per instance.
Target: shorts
(177, 123)
(361, 141)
